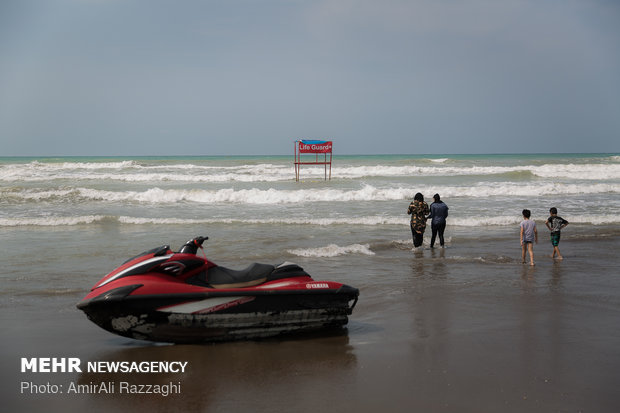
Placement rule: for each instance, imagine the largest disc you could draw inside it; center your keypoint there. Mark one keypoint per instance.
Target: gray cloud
(245, 77)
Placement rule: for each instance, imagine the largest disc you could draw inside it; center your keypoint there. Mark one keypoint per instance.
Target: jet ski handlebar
(191, 246)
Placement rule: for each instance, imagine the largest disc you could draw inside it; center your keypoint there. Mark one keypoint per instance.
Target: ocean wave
(80, 165)
(300, 196)
(131, 171)
(97, 219)
(586, 172)
(511, 220)
(255, 173)
(332, 250)
(227, 195)
(371, 220)
(368, 220)
(51, 221)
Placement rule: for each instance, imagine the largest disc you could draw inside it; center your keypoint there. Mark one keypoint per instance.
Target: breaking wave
(132, 171)
(300, 196)
(332, 250)
(59, 221)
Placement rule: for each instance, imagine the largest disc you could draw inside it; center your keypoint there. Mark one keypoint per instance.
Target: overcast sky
(226, 77)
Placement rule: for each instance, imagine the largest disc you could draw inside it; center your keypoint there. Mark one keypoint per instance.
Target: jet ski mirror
(191, 246)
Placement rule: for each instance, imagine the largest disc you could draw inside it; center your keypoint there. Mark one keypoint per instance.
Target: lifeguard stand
(316, 147)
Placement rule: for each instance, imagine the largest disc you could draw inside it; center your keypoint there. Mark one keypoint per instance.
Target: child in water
(529, 235)
(555, 224)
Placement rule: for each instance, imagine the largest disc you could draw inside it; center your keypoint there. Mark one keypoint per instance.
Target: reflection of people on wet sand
(418, 209)
(555, 224)
(528, 236)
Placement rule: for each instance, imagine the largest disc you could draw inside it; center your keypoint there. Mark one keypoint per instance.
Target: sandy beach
(443, 330)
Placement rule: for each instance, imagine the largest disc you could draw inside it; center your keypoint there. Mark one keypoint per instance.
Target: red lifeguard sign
(306, 146)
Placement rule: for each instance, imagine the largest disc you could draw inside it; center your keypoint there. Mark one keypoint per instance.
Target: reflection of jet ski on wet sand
(179, 297)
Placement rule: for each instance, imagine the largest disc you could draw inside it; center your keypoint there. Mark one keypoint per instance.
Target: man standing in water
(418, 209)
(439, 213)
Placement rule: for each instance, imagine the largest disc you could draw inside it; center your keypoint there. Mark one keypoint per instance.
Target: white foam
(332, 250)
(456, 221)
(274, 196)
(587, 172)
(504, 189)
(511, 220)
(131, 171)
(50, 221)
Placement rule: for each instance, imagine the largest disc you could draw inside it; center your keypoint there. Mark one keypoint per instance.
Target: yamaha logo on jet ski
(179, 297)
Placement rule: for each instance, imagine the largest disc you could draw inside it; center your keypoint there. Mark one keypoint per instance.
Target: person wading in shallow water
(418, 209)
(529, 235)
(439, 213)
(555, 225)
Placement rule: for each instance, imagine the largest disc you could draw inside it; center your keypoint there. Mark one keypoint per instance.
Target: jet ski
(181, 297)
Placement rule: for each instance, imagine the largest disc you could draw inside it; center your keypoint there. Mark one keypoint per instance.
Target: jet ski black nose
(191, 246)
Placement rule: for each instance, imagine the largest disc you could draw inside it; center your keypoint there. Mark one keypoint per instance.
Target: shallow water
(467, 328)
(457, 329)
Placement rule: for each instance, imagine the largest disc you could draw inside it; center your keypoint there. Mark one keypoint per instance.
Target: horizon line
(341, 154)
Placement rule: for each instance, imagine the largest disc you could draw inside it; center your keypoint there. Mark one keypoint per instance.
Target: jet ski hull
(179, 297)
(219, 315)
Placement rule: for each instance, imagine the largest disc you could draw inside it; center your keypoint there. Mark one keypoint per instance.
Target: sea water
(103, 210)
(484, 192)
(425, 320)
(252, 208)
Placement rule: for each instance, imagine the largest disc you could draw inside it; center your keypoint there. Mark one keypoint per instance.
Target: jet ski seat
(222, 277)
(254, 274)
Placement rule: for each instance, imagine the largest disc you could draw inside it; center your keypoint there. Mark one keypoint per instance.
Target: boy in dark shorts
(555, 224)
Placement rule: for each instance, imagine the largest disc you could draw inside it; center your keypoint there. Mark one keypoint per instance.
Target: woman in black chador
(418, 209)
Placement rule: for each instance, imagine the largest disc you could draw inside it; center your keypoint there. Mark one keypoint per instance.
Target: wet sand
(451, 330)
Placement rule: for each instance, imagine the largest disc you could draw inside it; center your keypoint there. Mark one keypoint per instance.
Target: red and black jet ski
(180, 297)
